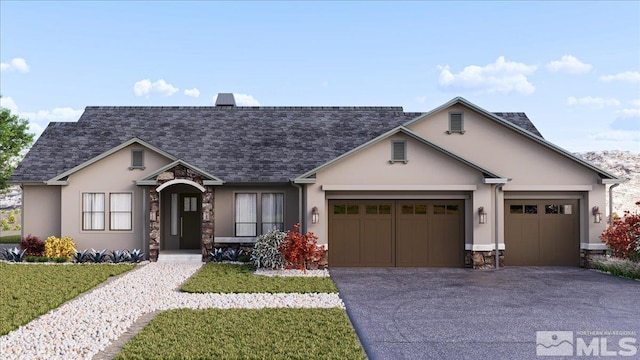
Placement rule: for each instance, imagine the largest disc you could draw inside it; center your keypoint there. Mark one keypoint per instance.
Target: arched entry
(181, 212)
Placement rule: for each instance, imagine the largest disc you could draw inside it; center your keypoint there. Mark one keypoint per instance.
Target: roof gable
(308, 176)
(513, 126)
(105, 154)
(208, 178)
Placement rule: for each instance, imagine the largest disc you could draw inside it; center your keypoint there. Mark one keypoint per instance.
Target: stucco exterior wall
(109, 175)
(41, 210)
(225, 205)
(503, 151)
(428, 173)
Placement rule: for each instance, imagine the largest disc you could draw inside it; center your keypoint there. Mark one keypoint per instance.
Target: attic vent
(398, 151)
(225, 99)
(456, 123)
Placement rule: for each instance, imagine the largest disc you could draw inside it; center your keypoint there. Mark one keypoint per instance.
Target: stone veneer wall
(586, 255)
(208, 207)
(482, 259)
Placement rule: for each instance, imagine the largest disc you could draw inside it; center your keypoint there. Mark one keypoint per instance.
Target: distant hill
(623, 164)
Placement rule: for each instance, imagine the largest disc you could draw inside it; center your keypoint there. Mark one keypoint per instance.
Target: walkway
(86, 325)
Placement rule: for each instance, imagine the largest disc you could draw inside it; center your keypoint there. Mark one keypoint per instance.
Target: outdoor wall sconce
(315, 215)
(482, 215)
(597, 216)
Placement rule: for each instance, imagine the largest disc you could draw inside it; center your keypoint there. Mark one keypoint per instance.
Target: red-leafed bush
(300, 251)
(33, 245)
(623, 236)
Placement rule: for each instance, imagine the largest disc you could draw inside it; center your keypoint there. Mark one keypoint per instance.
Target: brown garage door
(542, 232)
(396, 233)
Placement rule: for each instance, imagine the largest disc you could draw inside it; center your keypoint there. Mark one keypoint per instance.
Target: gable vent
(225, 99)
(398, 152)
(456, 124)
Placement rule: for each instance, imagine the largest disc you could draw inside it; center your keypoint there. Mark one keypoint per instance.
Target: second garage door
(542, 232)
(385, 233)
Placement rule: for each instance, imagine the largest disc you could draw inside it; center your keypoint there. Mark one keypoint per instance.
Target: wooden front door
(190, 221)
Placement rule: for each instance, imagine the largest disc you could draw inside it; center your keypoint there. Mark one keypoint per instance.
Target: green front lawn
(235, 278)
(10, 239)
(246, 334)
(30, 290)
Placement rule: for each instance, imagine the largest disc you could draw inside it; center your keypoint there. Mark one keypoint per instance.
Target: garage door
(542, 232)
(384, 233)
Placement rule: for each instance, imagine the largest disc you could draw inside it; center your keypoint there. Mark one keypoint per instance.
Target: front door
(190, 221)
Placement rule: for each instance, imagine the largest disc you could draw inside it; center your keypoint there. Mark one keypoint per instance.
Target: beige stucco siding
(41, 209)
(504, 151)
(225, 205)
(109, 175)
(530, 165)
(428, 171)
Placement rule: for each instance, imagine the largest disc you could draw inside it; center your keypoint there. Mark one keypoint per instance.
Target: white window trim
(82, 211)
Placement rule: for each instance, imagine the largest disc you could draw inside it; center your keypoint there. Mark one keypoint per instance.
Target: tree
(14, 137)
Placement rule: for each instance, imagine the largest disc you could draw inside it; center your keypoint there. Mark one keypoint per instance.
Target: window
(456, 123)
(175, 211)
(92, 211)
(246, 215)
(272, 212)
(120, 211)
(137, 159)
(398, 151)
(346, 209)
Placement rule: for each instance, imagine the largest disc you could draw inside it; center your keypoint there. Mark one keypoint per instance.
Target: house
(377, 185)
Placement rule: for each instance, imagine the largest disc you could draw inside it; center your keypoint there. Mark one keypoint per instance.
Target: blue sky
(573, 67)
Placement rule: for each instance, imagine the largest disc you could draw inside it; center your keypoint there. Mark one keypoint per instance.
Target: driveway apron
(429, 313)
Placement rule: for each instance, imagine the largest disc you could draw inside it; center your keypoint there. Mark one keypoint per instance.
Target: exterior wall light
(482, 215)
(315, 215)
(597, 216)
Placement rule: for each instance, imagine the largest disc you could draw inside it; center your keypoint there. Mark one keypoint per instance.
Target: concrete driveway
(457, 314)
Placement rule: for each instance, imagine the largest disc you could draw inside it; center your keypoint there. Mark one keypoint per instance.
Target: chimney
(225, 99)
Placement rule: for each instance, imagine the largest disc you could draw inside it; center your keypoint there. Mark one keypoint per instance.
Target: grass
(236, 278)
(616, 266)
(10, 239)
(30, 290)
(246, 334)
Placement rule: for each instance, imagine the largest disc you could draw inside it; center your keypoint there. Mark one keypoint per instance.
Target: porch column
(154, 224)
(208, 221)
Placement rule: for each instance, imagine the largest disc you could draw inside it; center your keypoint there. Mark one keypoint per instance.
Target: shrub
(14, 255)
(300, 251)
(5, 225)
(55, 247)
(61, 259)
(226, 254)
(136, 256)
(17, 228)
(623, 236)
(80, 257)
(615, 266)
(36, 259)
(118, 256)
(33, 245)
(98, 256)
(11, 218)
(266, 251)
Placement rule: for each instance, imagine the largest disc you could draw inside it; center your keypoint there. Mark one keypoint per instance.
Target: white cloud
(8, 103)
(192, 92)
(627, 76)
(502, 76)
(16, 64)
(635, 102)
(146, 87)
(618, 135)
(324, 84)
(568, 64)
(245, 100)
(592, 102)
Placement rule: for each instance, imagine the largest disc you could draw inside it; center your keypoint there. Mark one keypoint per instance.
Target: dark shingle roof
(236, 144)
(520, 119)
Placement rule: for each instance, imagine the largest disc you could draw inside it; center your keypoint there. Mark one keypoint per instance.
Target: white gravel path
(82, 327)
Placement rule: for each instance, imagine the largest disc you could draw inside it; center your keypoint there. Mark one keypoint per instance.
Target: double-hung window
(246, 215)
(93, 211)
(258, 213)
(272, 212)
(120, 211)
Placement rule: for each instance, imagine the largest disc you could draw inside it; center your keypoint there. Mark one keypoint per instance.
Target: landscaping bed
(245, 334)
(30, 290)
(240, 278)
